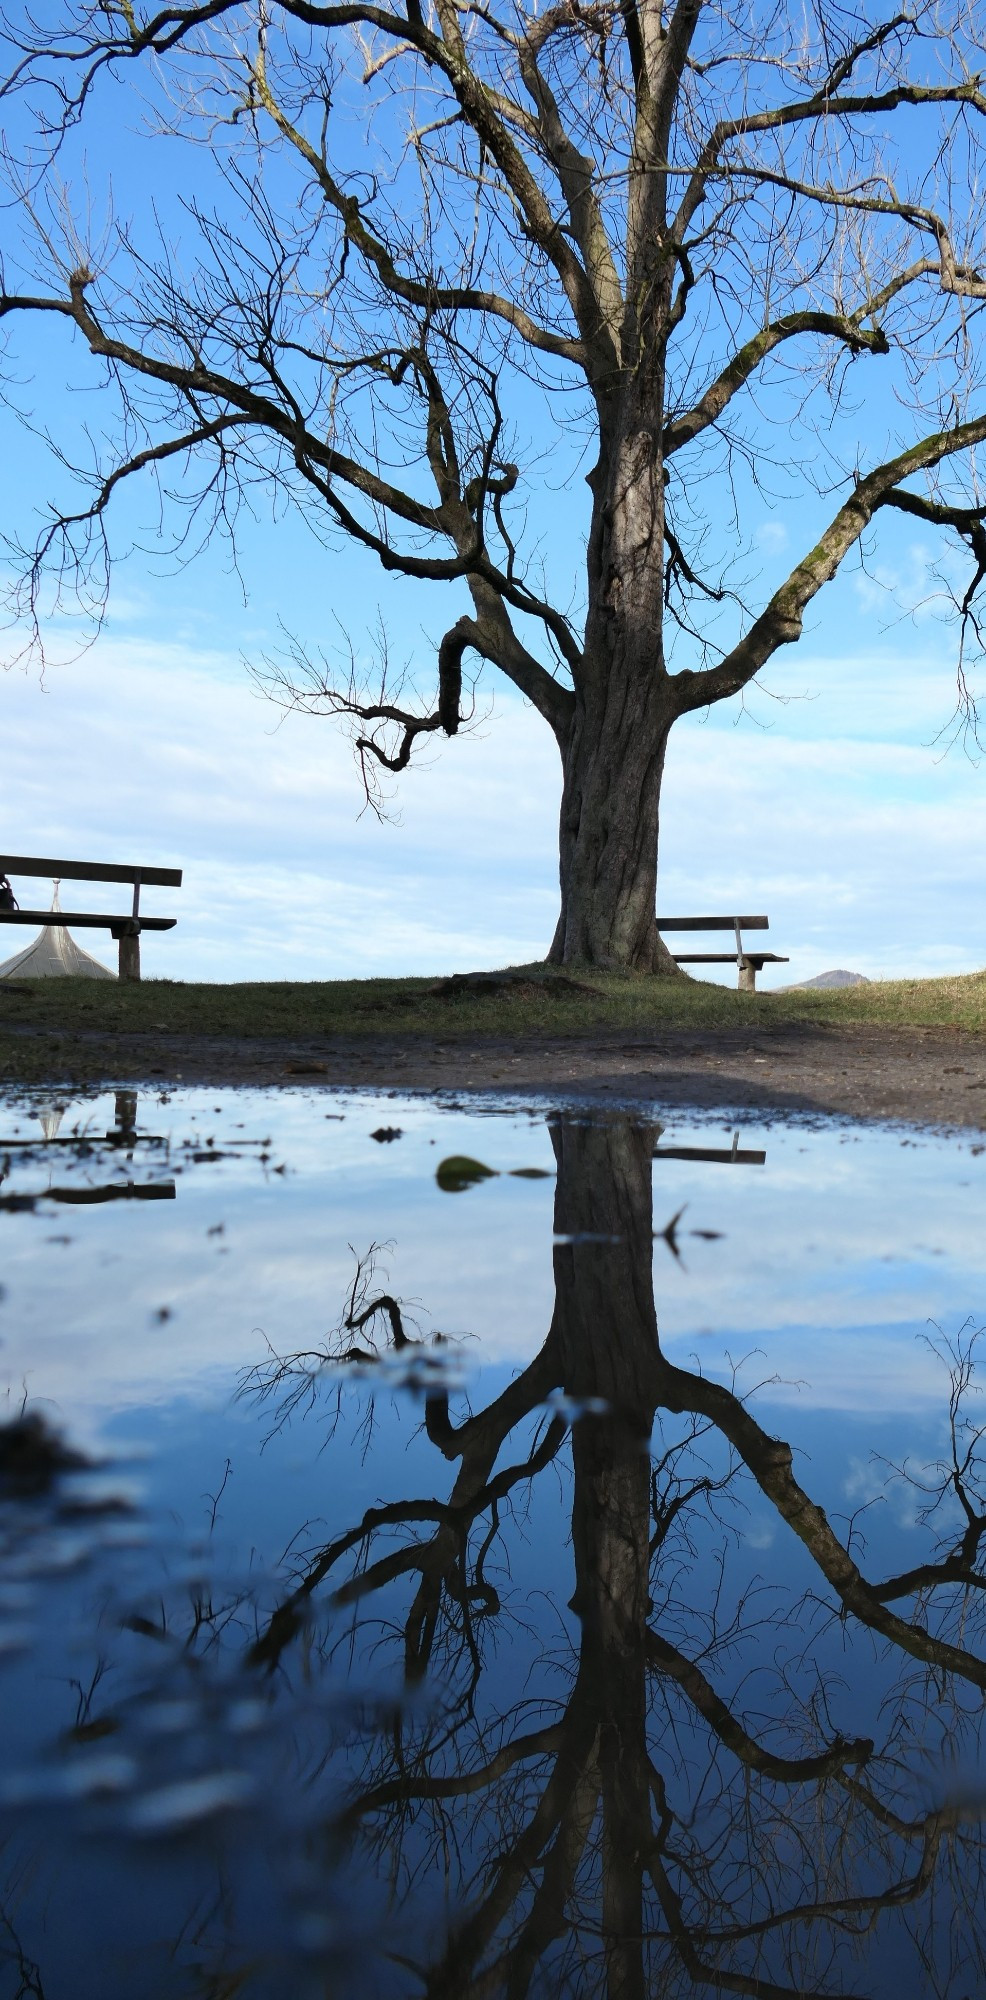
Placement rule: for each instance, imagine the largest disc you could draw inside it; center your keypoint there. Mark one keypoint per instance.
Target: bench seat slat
(756, 958)
(89, 871)
(85, 921)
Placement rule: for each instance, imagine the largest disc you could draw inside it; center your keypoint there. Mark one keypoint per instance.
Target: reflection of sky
(832, 1261)
(827, 1265)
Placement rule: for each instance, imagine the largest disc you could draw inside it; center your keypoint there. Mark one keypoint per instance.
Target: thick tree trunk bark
(614, 750)
(613, 766)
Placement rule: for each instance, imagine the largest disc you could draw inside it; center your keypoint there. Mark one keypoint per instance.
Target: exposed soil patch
(931, 1076)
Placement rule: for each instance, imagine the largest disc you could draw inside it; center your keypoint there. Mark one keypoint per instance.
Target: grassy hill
(532, 1000)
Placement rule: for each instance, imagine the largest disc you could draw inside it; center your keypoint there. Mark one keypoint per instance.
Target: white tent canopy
(54, 955)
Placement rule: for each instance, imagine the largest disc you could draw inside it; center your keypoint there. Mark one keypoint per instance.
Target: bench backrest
(89, 871)
(699, 923)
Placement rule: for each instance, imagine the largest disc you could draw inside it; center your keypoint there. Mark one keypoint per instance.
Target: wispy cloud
(838, 821)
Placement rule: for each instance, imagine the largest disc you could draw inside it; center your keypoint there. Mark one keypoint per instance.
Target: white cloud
(145, 752)
(772, 535)
(838, 821)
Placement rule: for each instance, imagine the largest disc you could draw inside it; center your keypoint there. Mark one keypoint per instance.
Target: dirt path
(920, 1076)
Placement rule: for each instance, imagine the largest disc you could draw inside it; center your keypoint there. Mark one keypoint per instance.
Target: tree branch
(822, 104)
(429, 295)
(781, 622)
(665, 1659)
(836, 326)
(769, 1460)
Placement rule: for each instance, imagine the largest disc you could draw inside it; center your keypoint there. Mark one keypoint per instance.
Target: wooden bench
(125, 927)
(748, 963)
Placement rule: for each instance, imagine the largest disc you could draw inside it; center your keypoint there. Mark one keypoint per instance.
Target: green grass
(535, 1006)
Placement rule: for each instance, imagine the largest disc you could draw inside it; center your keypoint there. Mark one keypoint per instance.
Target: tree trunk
(613, 754)
(611, 1357)
(613, 764)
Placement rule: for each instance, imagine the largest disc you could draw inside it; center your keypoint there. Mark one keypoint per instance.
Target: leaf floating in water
(531, 1174)
(459, 1172)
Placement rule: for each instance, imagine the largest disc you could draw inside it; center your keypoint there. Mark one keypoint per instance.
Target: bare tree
(443, 228)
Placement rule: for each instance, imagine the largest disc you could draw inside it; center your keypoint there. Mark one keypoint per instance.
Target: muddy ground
(932, 1076)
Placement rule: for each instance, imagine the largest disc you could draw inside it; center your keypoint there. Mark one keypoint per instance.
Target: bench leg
(747, 982)
(130, 957)
(125, 1128)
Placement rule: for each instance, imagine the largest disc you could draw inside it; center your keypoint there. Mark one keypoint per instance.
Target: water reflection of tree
(665, 1803)
(674, 1811)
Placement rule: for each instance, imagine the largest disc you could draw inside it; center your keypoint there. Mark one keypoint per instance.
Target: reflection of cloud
(77, 1324)
(856, 1369)
(817, 1278)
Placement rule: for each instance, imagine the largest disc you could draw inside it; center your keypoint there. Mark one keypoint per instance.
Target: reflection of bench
(126, 927)
(87, 1195)
(748, 963)
(730, 1156)
(84, 1197)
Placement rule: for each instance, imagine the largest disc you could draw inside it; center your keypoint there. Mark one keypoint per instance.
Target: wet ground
(470, 1550)
(931, 1076)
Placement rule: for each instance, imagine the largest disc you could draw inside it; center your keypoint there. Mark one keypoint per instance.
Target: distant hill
(837, 978)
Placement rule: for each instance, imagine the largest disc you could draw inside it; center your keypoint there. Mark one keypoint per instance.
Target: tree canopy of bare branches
(689, 242)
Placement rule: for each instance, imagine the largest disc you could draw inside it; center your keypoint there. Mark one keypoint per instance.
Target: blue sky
(824, 799)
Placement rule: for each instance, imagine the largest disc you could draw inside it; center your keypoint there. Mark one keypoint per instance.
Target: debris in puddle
(33, 1454)
(669, 1234)
(459, 1172)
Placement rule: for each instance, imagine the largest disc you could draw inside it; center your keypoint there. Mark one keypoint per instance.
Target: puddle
(458, 1552)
